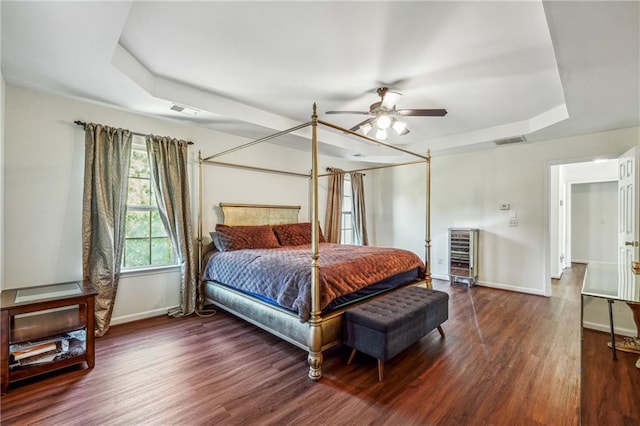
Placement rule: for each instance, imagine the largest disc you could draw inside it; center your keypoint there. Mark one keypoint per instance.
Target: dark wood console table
(45, 319)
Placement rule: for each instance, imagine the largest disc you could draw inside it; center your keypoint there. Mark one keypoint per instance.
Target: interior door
(627, 221)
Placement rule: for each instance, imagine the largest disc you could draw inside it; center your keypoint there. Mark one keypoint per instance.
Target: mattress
(282, 276)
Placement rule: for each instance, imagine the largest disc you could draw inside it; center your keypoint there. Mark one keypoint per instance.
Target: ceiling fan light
(400, 127)
(383, 122)
(381, 134)
(365, 128)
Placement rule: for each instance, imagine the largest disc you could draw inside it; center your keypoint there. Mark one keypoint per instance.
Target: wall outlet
(513, 222)
(440, 261)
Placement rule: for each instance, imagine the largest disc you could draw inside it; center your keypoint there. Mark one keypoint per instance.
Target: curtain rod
(384, 166)
(344, 171)
(84, 124)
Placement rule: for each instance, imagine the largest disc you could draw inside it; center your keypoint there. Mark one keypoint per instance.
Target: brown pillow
(245, 237)
(295, 234)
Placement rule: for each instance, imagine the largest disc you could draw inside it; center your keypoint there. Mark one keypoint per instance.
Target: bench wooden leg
(380, 370)
(353, 354)
(441, 330)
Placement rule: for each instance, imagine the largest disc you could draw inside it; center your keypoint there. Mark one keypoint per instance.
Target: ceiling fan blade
(390, 99)
(348, 112)
(422, 112)
(357, 126)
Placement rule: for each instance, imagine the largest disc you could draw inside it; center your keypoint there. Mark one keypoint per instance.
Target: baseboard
(607, 329)
(440, 277)
(140, 315)
(512, 288)
(496, 285)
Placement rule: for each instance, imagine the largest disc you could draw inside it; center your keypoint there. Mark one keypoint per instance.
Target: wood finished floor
(610, 389)
(507, 359)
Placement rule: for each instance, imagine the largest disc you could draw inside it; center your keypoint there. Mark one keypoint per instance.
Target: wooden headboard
(258, 214)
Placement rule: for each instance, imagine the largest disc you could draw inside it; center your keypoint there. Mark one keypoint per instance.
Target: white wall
(2, 102)
(594, 227)
(2, 167)
(43, 190)
(467, 190)
(592, 171)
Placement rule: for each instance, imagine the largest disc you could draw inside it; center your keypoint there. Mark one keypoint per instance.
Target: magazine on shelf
(48, 350)
(35, 350)
(38, 359)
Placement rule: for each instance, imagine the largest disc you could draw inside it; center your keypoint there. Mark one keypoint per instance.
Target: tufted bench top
(394, 310)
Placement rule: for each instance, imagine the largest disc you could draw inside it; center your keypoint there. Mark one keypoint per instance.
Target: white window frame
(132, 270)
(347, 234)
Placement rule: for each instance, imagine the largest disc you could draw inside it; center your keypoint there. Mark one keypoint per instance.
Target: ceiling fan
(384, 115)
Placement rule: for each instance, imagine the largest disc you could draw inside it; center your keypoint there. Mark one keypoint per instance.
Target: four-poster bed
(320, 327)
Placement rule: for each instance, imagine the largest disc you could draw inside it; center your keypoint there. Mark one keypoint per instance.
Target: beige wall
(43, 189)
(467, 190)
(43, 185)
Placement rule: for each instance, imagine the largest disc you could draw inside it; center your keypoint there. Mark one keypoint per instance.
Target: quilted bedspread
(284, 274)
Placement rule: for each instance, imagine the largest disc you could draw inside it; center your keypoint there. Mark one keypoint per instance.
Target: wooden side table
(45, 313)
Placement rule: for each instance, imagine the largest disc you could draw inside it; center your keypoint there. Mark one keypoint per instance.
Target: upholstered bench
(384, 327)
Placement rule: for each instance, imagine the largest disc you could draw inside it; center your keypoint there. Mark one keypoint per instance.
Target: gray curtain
(104, 208)
(333, 216)
(168, 164)
(358, 211)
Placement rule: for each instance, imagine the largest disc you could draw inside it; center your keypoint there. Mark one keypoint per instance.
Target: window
(346, 232)
(146, 241)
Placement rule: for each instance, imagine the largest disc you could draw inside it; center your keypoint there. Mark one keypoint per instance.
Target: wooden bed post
(199, 296)
(315, 330)
(427, 259)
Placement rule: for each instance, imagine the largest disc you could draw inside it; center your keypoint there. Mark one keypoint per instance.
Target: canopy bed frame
(322, 330)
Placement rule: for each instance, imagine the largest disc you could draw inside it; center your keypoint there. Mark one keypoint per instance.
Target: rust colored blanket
(284, 274)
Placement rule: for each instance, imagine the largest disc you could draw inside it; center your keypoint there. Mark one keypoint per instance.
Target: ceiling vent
(509, 141)
(184, 110)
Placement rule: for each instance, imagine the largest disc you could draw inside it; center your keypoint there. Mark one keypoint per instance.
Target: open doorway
(583, 214)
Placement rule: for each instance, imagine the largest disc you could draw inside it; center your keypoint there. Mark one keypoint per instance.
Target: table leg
(613, 336)
(4, 347)
(635, 308)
